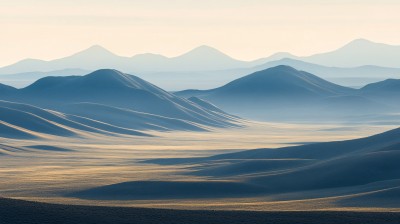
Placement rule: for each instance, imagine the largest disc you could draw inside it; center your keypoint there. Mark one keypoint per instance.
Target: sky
(244, 29)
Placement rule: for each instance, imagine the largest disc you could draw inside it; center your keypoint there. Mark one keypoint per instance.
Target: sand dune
(49, 148)
(10, 131)
(31, 119)
(341, 172)
(18, 211)
(314, 151)
(32, 122)
(386, 198)
(321, 167)
(147, 190)
(128, 118)
(240, 167)
(7, 149)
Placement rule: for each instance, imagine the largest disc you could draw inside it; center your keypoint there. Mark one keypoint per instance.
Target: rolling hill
(6, 90)
(348, 76)
(119, 100)
(387, 91)
(285, 93)
(386, 87)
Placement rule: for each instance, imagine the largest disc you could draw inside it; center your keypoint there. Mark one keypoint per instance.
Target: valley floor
(31, 170)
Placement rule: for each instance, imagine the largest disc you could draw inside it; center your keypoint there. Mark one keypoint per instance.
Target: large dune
(156, 190)
(338, 168)
(18, 211)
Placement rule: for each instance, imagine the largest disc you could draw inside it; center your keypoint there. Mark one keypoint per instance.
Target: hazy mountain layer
(284, 93)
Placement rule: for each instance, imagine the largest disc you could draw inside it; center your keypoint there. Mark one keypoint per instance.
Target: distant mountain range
(113, 98)
(285, 93)
(203, 58)
(355, 64)
(358, 53)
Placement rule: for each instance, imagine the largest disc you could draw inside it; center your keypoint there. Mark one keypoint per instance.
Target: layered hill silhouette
(96, 57)
(277, 93)
(362, 52)
(355, 64)
(110, 98)
(349, 76)
(287, 93)
(204, 58)
(358, 52)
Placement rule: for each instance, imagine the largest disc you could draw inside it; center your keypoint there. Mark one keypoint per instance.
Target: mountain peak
(205, 48)
(204, 51)
(280, 55)
(95, 51)
(282, 68)
(111, 78)
(281, 80)
(361, 41)
(96, 47)
(106, 72)
(102, 81)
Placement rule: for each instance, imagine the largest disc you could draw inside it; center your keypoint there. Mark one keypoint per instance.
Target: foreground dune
(16, 211)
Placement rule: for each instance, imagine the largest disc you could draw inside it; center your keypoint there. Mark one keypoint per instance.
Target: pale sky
(244, 29)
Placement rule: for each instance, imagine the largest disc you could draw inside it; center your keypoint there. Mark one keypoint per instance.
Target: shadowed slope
(353, 170)
(32, 122)
(386, 198)
(148, 190)
(4, 89)
(10, 131)
(15, 116)
(49, 148)
(128, 118)
(7, 149)
(315, 151)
